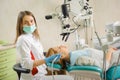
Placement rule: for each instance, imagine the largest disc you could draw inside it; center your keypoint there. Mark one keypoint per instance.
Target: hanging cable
(53, 66)
(104, 52)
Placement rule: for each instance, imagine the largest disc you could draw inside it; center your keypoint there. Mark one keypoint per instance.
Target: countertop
(7, 46)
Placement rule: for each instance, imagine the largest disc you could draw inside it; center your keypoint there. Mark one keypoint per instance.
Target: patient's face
(63, 50)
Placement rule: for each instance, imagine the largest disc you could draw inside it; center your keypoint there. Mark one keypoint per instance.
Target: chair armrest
(17, 67)
(113, 72)
(88, 68)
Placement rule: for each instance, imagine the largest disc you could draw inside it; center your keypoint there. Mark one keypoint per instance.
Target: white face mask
(29, 29)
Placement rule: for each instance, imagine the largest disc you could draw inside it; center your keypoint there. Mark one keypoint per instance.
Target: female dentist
(29, 48)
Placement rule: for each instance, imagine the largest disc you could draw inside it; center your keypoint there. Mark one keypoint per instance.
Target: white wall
(105, 11)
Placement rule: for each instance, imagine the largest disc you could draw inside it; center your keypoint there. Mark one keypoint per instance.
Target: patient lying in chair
(87, 56)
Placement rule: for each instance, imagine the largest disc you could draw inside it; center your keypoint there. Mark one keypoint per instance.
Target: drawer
(8, 65)
(3, 60)
(6, 60)
(3, 68)
(3, 53)
(9, 57)
(11, 77)
(6, 69)
(8, 75)
(2, 75)
(7, 52)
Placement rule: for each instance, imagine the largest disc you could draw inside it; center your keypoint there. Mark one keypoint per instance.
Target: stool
(17, 67)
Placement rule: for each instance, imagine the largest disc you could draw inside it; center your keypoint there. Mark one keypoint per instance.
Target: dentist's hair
(19, 28)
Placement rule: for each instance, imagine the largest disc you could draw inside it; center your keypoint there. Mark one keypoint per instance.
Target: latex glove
(51, 58)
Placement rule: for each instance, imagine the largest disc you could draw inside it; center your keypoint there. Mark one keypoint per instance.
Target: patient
(87, 56)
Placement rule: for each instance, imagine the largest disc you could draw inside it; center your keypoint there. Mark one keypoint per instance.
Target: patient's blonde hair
(50, 52)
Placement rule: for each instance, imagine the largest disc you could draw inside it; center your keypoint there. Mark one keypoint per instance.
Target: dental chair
(85, 72)
(113, 73)
(17, 67)
(81, 72)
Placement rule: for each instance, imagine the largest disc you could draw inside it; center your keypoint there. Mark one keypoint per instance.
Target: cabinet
(7, 60)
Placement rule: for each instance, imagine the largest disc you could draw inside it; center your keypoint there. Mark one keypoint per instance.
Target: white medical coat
(24, 45)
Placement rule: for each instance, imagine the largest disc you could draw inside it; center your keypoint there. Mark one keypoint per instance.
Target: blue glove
(51, 58)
